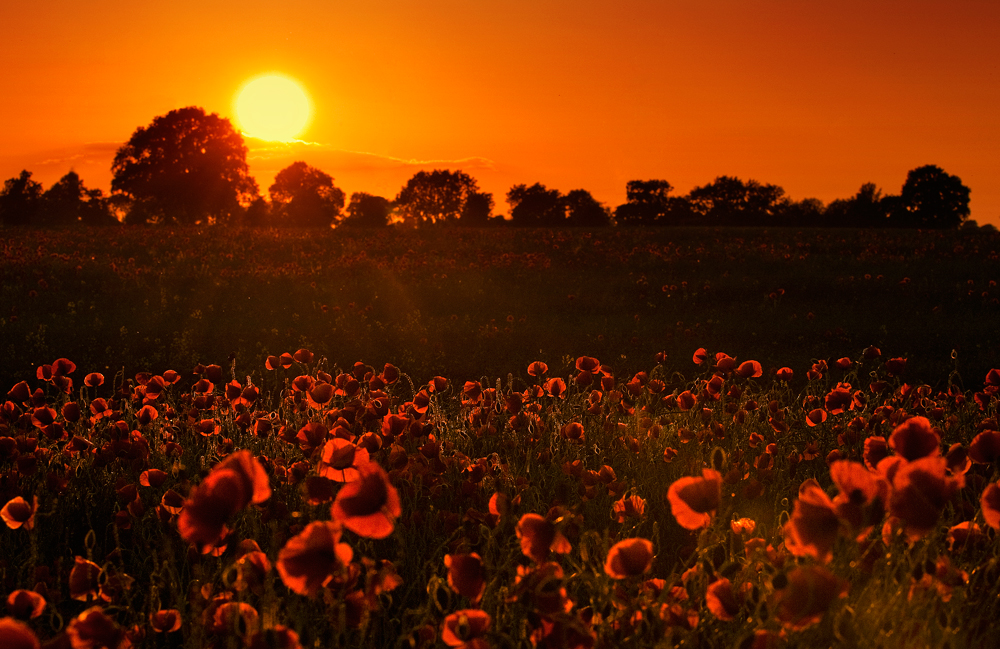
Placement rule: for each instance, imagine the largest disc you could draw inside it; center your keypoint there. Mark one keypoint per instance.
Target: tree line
(189, 167)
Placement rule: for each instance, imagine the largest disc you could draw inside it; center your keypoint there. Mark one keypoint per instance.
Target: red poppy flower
(152, 478)
(311, 436)
(812, 530)
(165, 621)
(369, 505)
(538, 369)
(808, 594)
(238, 618)
(539, 537)
(990, 503)
(20, 392)
(465, 575)
(465, 629)
(785, 374)
(895, 366)
(921, 489)
(555, 387)
(686, 400)
(876, 450)
(750, 370)
(630, 507)
(233, 484)
(25, 604)
(17, 513)
(700, 356)
(722, 600)
(816, 417)
(573, 432)
(629, 558)
(863, 495)
(83, 579)
(724, 362)
(914, 439)
(693, 500)
(341, 459)
(588, 364)
(985, 447)
(312, 558)
(92, 629)
(842, 363)
(17, 635)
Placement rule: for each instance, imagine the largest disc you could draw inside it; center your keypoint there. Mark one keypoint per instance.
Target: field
(499, 438)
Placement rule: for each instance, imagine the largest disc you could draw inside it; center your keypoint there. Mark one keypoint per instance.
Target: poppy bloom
(17, 635)
(233, 484)
(914, 439)
(686, 400)
(465, 575)
(312, 558)
(693, 500)
(863, 495)
(921, 489)
(572, 432)
(588, 364)
(465, 629)
(539, 536)
(816, 417)
(17, 512)
(785, 374)
(165, 621)
(555, 387)
(700, 356)
(812, 530)
(341, 459)
(631, 507)
(538, 369)
(985, 447)
(92, 629)
(876, 450)
(749, 370)
(236, 617)
(722, 600)
(369, 505)
(990, 502)
(25, 604)
(808, 594)
(277, 637)
(83, 579)
(629, 558)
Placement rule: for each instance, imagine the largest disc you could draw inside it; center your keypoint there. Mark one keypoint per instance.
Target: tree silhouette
(20, 199)
(186, 167)
(536, 206)
(866, 209)
(730, 201)
(932, 198)
(68, 201)
(436, 197)
(478, 209)
(583, 210)
(647, 202)
(367, 211)
(303, 196)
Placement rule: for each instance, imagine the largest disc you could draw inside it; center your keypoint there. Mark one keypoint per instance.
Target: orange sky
(815, 96)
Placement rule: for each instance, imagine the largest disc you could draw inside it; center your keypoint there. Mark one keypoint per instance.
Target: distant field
(484, 303)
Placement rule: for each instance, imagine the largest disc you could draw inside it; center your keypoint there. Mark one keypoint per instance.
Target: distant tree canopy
(303, 196)
(20, 199)
(186, 167)
(69, 202)
(438, 197)
(932, 198)
(536, 206)
(367, 211)
(730, 201)
(649, 203)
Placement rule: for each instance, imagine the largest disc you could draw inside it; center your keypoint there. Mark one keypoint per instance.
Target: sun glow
(273, 107)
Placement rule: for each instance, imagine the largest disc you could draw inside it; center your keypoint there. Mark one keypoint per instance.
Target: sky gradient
(818, 97)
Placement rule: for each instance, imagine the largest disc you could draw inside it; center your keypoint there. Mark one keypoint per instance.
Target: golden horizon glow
(273, 107)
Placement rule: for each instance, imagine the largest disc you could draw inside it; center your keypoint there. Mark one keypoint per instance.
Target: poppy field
(725, 461)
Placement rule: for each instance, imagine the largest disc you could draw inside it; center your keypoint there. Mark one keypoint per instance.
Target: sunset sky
(818, 97)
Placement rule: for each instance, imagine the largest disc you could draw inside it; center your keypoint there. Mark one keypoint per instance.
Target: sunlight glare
(273, 107)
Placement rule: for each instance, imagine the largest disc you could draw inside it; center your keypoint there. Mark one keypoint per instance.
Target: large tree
(584, 210)
(536, 206)
(730, 201)
(932, 198)
(69, 201)
(20, 199)
(648, 202)
(304, 196)
(186, 167)
(436, 197)
(367, 211)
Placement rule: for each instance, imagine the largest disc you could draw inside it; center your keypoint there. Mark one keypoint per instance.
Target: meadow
(499, 438)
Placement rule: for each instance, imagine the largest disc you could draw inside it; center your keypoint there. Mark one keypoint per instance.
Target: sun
(273, 107)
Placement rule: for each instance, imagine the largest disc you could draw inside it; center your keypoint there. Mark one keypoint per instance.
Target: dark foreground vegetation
(513, 438)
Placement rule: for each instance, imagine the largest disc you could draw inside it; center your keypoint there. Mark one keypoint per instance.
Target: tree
(648, 202)
(932, 198)
(436, 197)
(368, 211)
(303, 196)
(20, 199)
(186, 167)
(536, 206)
(68, 201)
(583, 210)
(730, 201)
(478, 209)
(866, 209)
